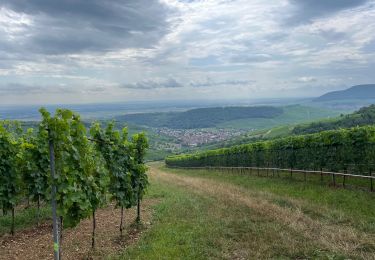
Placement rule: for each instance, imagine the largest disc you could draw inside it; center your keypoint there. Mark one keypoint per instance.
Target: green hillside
(201, 117)
(364, 116)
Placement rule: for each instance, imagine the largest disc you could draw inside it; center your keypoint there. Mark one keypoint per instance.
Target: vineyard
(74, 169)
(350, 151)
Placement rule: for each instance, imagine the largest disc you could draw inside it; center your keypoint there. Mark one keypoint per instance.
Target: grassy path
(204, 216)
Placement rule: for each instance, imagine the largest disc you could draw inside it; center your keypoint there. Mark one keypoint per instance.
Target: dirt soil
(36, 242)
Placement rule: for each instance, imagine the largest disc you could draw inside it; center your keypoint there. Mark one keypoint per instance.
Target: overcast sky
(79, 51)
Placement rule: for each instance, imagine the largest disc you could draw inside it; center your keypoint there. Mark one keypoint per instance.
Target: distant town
(196, 137)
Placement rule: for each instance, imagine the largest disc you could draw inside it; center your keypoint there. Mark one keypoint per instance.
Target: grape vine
(34, 167)
(87, 168)
(115, 149)
(10, 181)
(332, 150)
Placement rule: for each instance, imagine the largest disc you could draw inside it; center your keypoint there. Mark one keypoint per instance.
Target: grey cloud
(306, 79)
(24, 89)
(153, 84)
(250, 58)
(21, 89)
(306, 10)
(370, 47)
(173, 83)
(61, 27)
(332, 35)
(97, 89)
(210, 83)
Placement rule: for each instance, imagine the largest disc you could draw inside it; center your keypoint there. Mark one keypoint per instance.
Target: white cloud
(306, 79)
(217, 47)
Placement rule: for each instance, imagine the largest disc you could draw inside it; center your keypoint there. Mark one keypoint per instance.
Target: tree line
(345, 149)
(91, 167)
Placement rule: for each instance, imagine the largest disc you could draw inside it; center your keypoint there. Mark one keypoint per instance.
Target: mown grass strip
(192, 225)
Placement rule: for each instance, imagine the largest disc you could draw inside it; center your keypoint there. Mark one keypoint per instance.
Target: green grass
(23, 219)
(183, 228)
(355, 206)
(187, 225)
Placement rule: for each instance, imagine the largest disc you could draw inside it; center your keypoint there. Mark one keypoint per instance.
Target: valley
(187, 129)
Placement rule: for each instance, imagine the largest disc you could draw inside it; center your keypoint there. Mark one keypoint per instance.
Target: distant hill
(201, 117)
(364, 116)
(355, 92)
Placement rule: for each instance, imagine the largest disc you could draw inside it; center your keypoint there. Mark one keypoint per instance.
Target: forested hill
(201, 117)
(355, 92)
(364, 116)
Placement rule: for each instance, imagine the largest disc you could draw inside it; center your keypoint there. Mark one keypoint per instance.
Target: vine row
(337, 150)
(76, 169)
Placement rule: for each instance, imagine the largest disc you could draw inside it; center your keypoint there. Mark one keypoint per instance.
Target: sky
(79, 51)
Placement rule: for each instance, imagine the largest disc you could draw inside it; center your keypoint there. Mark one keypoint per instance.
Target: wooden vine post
(371, 182)
(56, 245)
